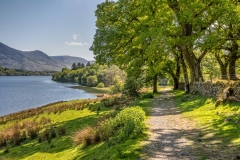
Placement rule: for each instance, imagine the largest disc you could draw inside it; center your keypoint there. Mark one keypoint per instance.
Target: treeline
(92, 75)
(190, 40)
(20, 72)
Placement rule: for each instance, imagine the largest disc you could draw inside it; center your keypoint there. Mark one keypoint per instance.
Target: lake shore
(20, 114)
(93, 90)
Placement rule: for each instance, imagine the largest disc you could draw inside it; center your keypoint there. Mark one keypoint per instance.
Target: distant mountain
(69, 60)
(35, 60)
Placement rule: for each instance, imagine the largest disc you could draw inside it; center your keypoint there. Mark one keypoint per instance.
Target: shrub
(117, 87)
(61, 131)
(146, 95)
(2, 140)
(132, 87)
(45, 120)
(53, 133)
(47, 135)
(85, 136)
(92, 81)
(128, 123)
(13, 136)
(32, 129)
(100, 85)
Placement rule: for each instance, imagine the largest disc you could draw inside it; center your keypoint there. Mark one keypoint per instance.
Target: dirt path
(173, 137)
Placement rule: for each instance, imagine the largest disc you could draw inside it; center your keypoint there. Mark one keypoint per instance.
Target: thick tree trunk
(233, 56)
(185, 74)
(223, 67)
(231, 69)
(176, 81)
(193, 63)
(224, 75)
(155, 84)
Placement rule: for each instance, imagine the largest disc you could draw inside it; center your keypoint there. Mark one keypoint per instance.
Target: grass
(93, 90)
(219, 125)
(71, 120)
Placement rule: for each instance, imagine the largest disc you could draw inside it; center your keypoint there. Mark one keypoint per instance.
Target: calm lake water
(24, 92)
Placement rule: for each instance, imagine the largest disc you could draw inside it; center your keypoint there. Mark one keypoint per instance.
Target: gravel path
(173, 137)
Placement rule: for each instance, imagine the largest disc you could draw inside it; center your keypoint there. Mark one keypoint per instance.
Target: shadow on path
(173, 137)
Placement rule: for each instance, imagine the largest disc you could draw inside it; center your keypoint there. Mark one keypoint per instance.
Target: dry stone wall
(216, 88)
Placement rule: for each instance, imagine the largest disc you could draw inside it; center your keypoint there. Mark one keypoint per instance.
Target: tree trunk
(176, 75)
(176, 81)
(185, 74)
(233, 56)
(155, 85)
(231, 69)
(223, 66)
(193, 63)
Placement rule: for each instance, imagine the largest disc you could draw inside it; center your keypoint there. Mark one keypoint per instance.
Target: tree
(88, 64)
(92, 81)
(122, 39)
(74, 67)
(79, 65)
(83, 66)
(111, 74)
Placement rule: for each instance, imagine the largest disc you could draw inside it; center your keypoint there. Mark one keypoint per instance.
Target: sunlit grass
(63, 148)
(222, 121)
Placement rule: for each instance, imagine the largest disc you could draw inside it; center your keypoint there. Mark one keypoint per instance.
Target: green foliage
(117, 87)
(92, 81)
(147, 95)
(132, 87)
(128, 123)
(100, 85)
(91, 75)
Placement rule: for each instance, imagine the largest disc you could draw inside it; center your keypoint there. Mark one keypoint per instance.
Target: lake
(23, 92)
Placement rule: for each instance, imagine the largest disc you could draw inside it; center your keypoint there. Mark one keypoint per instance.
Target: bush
(92, 81)
(117, 87)
(100, 85)
(45, 120)
(132, 87)
(85, 136)
(32, 128)
(128, 123)
(146, 95)
(2, 140)
(61, 131)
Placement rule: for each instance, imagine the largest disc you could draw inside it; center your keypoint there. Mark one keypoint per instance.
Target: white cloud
(77, 43)
(75, 36)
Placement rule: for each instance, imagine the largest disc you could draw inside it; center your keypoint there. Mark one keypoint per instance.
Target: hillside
(35, 60)
(69, 60)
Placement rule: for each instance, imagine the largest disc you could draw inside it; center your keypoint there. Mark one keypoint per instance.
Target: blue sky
(56, 27)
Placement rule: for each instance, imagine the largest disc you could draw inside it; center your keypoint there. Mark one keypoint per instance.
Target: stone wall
(215, 89)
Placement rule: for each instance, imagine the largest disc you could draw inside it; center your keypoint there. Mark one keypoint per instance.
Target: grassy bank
(220, 126)
(93, 90)
(75, 115)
